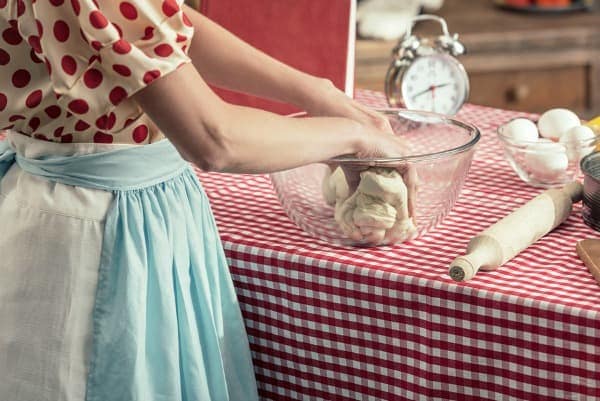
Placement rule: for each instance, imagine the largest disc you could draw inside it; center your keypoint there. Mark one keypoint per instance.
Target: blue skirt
(166, 323)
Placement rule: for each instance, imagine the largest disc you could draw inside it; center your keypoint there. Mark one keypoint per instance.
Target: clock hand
(429, 89)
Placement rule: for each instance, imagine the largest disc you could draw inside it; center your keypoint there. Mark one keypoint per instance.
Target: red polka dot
(34, 42)
(140, 133)
(61, 31)
(122, 70)
(76, 6)
(85, 39)
(118, 28)
(184, 48)
(122, 46)
(117, 95)
(163, 50)
(128, 122)
(81, 125)
(11, 36)
(52, 111)
(48, 66)
(92, 78)
(170, 7)
(4, 57)
(3, 3)
(57, 2)
(3, 101)
(34, 57)
(101, 137)
(20, 8)
(15, 117)
(58, 132)
(94, 58)
(181, 38)
(21, 78)
(98, 20)
(69, 65)
(66, 138)
(96, 45)
(34, 99)
(148, 33)
(79, 106)
(128, 10)
(151, 76)
(187, 21)
(106, 122)
(40, 27)
(34, 123)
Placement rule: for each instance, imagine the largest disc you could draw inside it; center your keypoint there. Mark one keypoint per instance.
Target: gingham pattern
(334, 323)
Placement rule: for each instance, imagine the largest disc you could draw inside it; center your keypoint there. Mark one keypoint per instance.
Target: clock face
(436, 83)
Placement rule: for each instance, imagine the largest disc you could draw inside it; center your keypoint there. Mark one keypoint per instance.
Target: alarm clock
(425, 74)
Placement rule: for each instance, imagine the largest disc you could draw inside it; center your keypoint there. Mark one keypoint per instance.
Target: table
(334, 323)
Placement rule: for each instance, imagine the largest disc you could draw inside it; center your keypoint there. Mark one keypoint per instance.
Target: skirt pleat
(166, 303)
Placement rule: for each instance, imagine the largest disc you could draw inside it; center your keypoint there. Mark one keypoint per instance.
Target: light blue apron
(167, 324)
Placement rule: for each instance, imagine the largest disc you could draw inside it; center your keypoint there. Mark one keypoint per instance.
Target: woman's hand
(323, 99)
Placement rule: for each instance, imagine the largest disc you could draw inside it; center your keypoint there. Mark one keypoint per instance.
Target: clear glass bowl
(546, 163)
(442, 150)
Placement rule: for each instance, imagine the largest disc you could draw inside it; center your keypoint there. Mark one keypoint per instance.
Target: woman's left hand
(325, 100)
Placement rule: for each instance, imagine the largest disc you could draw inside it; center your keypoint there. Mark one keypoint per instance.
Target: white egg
(520, 130)
(546, 161)
(555, 122)
(579, 141)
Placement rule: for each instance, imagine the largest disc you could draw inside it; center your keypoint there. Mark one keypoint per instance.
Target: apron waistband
(114, 170)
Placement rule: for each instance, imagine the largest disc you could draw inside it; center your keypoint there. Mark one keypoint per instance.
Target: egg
(579, 141)
(520, 130)
(555, 122)
(546, 161)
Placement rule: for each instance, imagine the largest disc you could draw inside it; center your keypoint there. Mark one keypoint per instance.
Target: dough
(377, 212)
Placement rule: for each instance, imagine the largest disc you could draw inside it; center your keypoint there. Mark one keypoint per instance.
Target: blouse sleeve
(100, 52)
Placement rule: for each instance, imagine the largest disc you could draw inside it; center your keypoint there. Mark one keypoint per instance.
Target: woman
(113, 281)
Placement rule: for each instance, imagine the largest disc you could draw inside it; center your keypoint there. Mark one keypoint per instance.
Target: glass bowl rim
(440, 118)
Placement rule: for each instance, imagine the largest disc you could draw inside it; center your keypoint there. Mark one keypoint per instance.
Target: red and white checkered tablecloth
(334, 323)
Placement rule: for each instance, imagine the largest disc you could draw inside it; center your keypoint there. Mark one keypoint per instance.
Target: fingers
(352, 174)
(411, 180)
(377, 120)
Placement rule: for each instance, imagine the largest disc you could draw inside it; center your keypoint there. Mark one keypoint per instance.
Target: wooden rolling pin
(506, 238)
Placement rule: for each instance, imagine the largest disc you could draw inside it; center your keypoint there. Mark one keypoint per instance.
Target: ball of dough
(579, 141)
(520, 130)
(555, 122)
(546, 160)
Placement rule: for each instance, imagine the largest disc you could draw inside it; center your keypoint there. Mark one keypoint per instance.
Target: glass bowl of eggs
(392, 200)
(547, 153)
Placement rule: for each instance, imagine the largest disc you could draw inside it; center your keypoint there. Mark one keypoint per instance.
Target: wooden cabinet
(518, 61)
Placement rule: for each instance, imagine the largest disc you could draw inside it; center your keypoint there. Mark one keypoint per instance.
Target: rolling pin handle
(574, 190)
(462, 269)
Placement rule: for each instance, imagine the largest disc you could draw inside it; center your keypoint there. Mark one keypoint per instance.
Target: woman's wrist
(310, 92)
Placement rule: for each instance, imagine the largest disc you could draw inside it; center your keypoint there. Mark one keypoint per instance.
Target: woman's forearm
(226, 61)
(221, 137)
(260, 142)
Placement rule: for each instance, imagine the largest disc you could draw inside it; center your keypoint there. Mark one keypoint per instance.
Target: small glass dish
(442, 150)
(546, 163)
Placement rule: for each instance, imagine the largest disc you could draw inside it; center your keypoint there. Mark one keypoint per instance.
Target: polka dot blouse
(69, 67)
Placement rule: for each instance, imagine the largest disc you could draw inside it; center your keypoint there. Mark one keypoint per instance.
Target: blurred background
(529, 55)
